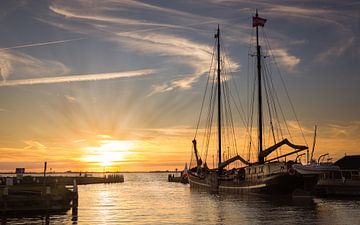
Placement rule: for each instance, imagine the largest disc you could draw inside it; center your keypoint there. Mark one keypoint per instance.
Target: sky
(92, 85)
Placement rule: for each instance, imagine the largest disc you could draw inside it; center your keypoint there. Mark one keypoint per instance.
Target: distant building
(19, 173)
(349, 162)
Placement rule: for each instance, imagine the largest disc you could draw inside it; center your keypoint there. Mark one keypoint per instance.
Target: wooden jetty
(68, 180)
(50, 194)
(33, 198)
(178, 179)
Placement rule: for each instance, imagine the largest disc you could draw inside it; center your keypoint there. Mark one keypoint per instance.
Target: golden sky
(117, 85)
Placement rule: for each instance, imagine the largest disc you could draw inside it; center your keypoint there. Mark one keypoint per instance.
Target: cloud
(336, 51)
(26, 65)
(71, 99)
(34, 145)
(287, 60)
(42, 44)
(297, 11)
(80, 14)
(195, 56)
(4, 110)
(76, 78)
(101, 11)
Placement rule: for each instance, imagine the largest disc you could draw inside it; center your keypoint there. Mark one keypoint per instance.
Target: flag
(258, 21)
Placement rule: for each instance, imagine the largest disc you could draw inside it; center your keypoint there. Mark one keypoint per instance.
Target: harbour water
(147, 198)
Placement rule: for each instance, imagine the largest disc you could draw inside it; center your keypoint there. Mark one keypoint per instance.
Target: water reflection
(150, 199)
(249, 209)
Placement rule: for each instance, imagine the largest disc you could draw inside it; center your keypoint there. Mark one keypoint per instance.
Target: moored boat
(342, 182)
(264, 175)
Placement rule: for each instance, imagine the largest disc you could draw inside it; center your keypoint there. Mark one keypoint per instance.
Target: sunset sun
(108, 152)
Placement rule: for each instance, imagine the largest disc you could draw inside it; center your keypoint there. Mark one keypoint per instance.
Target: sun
(108, 152)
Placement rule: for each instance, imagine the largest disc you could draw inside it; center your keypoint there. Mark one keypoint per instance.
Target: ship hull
(269, 178)
(282, 183)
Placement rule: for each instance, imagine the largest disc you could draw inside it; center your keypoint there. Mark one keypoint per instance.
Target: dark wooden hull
(282, 183)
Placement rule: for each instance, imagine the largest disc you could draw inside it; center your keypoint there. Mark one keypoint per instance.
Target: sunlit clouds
(27, 66)
(76, 78)
(91, 85)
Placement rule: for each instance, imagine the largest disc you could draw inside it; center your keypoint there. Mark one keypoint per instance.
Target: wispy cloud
(70, 99)
(336, 51)
(26, 65)
(76, 78)
(34, 145)
(195, 56)
(42, 44)
(285, 59)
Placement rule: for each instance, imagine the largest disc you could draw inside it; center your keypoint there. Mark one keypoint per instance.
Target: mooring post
(75, 202)
(75, 194)
(5, 197)
(47, 197)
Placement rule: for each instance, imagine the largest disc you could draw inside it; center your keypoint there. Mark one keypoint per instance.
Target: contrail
(42, 43)
(77, 78)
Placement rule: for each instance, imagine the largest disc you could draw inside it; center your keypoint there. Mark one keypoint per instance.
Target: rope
(286, 90)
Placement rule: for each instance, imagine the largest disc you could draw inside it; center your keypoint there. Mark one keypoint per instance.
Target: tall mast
(260, 122)
(219, 93)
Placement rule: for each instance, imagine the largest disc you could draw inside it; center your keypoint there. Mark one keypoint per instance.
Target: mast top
(258, 21)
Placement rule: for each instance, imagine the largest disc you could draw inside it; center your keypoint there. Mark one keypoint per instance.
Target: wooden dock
(32, 194)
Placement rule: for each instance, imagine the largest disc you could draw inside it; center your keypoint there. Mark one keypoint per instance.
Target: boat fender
(291, 171)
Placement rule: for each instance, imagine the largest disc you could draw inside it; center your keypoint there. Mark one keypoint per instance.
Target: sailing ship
(275, 175)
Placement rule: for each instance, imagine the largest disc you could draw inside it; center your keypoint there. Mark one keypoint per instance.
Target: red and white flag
(258, 21)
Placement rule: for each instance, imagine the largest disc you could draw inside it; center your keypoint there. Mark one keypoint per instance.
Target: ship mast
(257, 21)
(219, 94)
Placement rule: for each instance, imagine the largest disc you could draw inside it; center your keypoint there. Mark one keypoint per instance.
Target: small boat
(183, 178)
(342, 182)
(265, 175)
(316, 168)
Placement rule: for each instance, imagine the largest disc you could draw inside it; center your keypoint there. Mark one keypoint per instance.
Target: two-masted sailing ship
(234, 173)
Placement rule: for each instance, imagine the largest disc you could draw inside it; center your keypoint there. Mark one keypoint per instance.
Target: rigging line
(276, 101)
(237, 108)
(270, 103)
(229, 136)
(241, 112)
(288, 96)
(227, 113)
(252, 39)
(211, 113)
(203, 100)
(275, 93)
(209, 120)
(227, 97)
(266, 84)
(238, 95)
(231, 118)
(206, 129)
(272, 90)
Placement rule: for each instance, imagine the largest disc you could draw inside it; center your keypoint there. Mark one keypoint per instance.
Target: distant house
(349, 162)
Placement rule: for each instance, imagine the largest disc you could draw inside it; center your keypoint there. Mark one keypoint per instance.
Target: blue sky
(74, 70)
